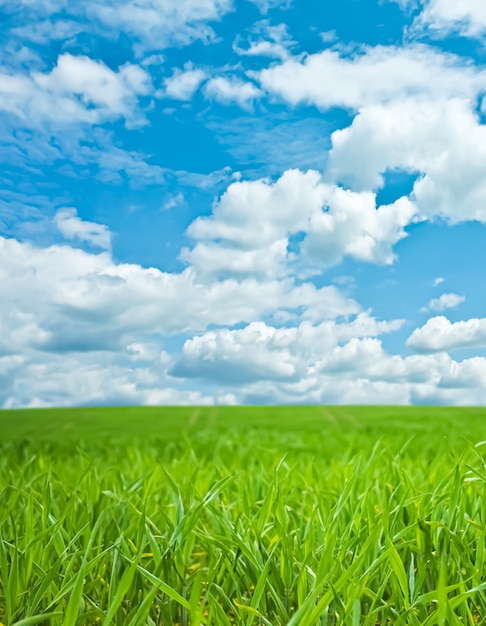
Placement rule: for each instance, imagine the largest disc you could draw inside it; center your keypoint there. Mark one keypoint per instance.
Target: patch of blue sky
(396, 184)
(352, 22)
(431, 250)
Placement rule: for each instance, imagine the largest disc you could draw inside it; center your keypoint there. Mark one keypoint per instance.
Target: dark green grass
(299, 516)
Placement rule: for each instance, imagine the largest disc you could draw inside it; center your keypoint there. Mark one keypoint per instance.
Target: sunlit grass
(298, 517)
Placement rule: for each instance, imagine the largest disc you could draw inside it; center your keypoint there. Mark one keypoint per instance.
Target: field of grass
(243, 516)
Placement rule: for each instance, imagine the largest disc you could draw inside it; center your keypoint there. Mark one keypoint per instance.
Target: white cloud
(418, 376)
(263, 352)
(251, 226)
(157, 24)
(218, 260)
(267, 40)
(467, 17)
(64, 299)
(77, 89)
(407, 5)
(73, 227)
(115, 164)
(10, 363)
(442, 141)
(76, 151)
(153, 24)
(147, 352)
(232, 90)
(94, 379)
(265, 5)
(366, 358)
(173, 202)
(438, 281)
(44, 31)
(184, 83)
(234, 357)
(329, 36)
(80, 328)
(353, 226)
(153, 59)
(327, 363)
(443, 302)
(375, 75)
(440, 335)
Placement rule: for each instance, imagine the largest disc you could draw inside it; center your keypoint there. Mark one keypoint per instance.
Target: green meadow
(246, 516)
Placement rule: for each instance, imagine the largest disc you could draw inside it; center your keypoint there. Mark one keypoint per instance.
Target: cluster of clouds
(418, 110)
(467, 18)
(72, 310)
(77, 89)
(330, 362)
(151, 24)
(251, 227)
(250, 323)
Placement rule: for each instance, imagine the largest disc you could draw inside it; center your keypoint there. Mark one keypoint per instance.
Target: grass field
(243, 516)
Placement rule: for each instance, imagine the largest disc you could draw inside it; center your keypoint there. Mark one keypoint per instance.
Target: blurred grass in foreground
(298, 516)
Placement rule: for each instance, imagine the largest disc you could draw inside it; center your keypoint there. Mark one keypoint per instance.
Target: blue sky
(242, 201)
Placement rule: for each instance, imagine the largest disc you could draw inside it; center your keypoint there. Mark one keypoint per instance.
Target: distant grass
(297, 516)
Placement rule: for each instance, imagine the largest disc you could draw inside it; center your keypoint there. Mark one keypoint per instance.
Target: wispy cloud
(443, 302)
(468, 18)
(265, 40)
(71, 226)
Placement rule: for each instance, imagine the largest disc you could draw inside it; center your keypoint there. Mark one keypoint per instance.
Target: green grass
(243, 516)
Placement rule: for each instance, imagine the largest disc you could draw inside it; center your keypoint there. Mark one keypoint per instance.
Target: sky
(242, 202)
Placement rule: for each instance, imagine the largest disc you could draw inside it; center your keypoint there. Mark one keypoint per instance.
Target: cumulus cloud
(224, 357)
(77, 89)
(416, 113)
(71, 314)
(184, 83)
(251, 226)
(260, 351)
(327, 363)
(64, 299)
(232, 90)
(82, 328)
(443, 142)
(467, 17)
(372, 76)
(352, 225)
(366, 358)
(70, 311)
(443, 302)
(417, 376)
(73, 227)
(94, 379)
(440, 335)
